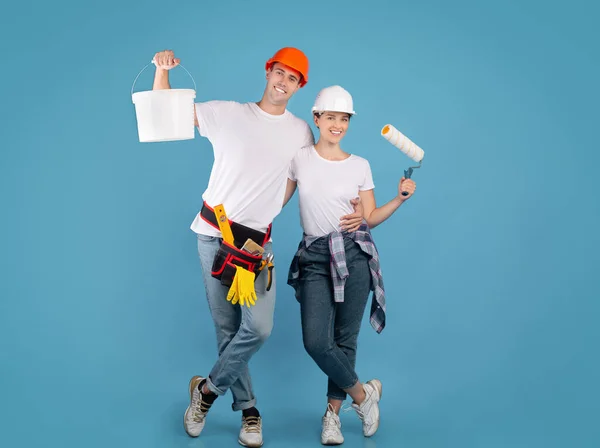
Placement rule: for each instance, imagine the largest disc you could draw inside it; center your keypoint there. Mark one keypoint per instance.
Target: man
(253, 146)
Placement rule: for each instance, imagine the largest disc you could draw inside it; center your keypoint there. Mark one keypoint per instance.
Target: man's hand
(352, 222)
(166, 60)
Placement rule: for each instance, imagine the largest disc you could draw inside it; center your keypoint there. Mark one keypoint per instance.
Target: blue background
(492, 337)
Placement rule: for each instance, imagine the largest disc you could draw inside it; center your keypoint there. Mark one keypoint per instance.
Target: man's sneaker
(368, 410)
(331, 430)
(195, 414)
(251, 432)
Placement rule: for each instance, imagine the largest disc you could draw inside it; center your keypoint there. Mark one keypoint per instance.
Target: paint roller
(404, 144)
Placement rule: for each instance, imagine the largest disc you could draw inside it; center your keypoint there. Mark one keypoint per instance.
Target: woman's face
(332, 125)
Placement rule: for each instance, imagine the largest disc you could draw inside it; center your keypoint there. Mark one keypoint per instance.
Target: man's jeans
(330, 330)
(241, 331)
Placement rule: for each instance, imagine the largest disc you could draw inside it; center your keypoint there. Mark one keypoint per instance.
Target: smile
(280, 90)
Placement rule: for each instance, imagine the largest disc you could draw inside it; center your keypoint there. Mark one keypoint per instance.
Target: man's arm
(352, 222)
(165, 61)
(289, 191)
(161, 79)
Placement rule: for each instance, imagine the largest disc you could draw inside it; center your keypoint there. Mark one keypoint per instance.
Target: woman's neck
(330, 151)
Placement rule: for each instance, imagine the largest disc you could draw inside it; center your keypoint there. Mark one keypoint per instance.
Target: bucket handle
(153, 62)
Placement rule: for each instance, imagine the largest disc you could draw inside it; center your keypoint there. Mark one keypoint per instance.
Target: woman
(334, 270)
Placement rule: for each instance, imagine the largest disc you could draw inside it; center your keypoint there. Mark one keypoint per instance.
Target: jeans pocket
(205, 238)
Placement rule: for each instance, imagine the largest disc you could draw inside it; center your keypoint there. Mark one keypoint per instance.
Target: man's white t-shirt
(252, 153)
(325, 188)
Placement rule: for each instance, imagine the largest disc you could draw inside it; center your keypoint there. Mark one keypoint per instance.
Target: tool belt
(230, 255)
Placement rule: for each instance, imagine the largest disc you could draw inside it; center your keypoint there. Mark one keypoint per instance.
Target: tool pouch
(228, 257)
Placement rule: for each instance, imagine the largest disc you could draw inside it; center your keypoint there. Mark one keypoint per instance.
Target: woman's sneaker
(331, 430)
(368, 410)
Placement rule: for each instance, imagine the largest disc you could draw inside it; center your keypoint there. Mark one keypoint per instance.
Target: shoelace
(201, 407)
(358, 409)
(252, 424)
(330, 423)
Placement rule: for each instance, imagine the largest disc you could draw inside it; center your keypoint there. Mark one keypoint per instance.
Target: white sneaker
(195, 414)
(368, 410)
(251, 432)
(331, 430)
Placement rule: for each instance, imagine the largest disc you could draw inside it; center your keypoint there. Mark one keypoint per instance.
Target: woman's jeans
(330, 330)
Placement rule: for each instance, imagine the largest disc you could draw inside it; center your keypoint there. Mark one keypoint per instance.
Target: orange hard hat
(293, 58)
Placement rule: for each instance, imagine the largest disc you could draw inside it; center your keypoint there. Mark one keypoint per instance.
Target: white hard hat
(334, 99)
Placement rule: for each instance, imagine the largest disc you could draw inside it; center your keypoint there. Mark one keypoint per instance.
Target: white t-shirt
(325, 188)
(252, 153)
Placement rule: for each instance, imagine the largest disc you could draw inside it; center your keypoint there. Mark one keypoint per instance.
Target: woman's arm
(376, 215)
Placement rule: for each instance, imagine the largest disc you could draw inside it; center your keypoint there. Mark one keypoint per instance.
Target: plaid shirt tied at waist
(339, 269)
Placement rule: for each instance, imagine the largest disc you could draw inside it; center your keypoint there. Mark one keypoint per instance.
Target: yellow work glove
(245, 287)
(233, 294)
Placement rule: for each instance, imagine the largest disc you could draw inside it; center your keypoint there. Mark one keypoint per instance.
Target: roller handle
(407, 174)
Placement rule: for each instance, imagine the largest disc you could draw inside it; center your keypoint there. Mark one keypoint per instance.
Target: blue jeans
(329, 329)
(241, 331)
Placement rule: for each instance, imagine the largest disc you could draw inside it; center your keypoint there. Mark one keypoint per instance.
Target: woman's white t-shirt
(325, 188)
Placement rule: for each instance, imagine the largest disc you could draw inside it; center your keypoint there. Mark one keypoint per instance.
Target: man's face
(282, 83)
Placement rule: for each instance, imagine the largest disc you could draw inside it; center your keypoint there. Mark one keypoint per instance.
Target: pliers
(268, 262)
